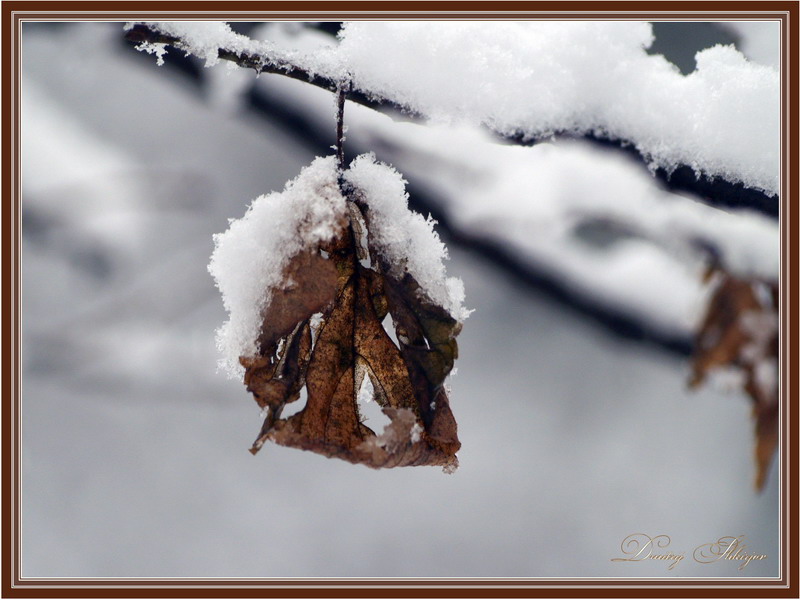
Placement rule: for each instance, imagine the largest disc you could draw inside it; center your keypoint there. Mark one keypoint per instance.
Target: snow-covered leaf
(322, 321)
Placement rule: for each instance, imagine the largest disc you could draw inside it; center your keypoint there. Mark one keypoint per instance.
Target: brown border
(14, 586)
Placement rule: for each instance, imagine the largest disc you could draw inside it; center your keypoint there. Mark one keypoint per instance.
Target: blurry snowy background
(570, 394)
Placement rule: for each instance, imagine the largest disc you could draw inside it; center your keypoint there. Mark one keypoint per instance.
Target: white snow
(159, 50)
(535, 78)
(416, 433)
(405, 238)
(249, 258)
(204, 39)
(295, 36)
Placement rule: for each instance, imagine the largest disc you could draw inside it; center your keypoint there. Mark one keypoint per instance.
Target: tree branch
(713, 191)
(142, 34)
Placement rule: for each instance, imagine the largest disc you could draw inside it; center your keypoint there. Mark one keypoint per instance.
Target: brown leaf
(351, 343)
(311, 283)
(740, 330)
(426, 333)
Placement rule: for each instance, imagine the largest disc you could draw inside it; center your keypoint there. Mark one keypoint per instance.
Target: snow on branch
(215, 41)
(533, 80)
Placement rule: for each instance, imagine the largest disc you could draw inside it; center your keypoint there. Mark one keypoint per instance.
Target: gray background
(134, 449)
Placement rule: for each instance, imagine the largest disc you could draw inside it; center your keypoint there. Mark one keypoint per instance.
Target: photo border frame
(14, 13)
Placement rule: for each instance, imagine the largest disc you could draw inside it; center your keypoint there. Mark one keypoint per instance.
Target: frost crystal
(158, 49)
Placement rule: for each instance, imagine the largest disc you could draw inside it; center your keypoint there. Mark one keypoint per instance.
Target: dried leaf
(351, 343)
(311, 283)
(740, 331)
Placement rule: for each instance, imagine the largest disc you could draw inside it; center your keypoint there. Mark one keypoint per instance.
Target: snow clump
(250, 257)
(405, 238)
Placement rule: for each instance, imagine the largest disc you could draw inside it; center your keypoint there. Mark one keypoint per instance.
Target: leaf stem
(341, 97)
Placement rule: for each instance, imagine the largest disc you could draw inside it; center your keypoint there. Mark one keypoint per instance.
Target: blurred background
(570, 392)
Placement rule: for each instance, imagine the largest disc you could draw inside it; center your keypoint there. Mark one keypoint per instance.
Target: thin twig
(341, 97)
(142, 34)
